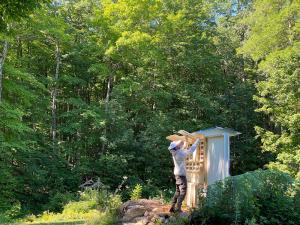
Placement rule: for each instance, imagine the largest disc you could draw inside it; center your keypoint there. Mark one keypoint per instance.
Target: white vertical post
(226, 155)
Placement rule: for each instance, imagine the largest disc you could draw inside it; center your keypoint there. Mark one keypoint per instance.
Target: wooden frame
(185, 136)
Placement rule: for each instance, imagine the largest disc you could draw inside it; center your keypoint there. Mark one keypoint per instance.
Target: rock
(145, 212)
(133, 212)
(132, 224)
(142, 219)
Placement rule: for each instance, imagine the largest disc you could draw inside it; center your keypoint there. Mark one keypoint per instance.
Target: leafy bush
(89, 194)
(136, 192)
(114, 203)
(96, 207)
(259, 197)
(102, 199)
(174, 220)
(150, 190)
(58, 200)
(108, 204)
(11, 213)
(4, 219)
(80, 207)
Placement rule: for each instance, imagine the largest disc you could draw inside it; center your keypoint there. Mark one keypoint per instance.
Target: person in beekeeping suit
(179, 155)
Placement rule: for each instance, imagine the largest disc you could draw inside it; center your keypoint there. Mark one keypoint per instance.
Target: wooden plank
(185, 133)
(175, 137)
(191, 135)
(185, 136)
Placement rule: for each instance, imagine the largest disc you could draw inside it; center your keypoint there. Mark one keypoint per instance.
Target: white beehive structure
(209, 163)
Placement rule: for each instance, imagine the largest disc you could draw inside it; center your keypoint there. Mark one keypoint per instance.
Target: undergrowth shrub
(59, 200)
(176, 220)
(95, 207)
(107, 203)
(136, 192)
(11, 213)
(263, 197)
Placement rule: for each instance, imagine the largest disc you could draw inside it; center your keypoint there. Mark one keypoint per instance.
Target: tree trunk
(2, 59)
(107, 98)
(54, 95)
(109, 83)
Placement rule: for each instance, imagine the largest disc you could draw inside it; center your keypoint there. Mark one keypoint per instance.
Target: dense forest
(91, 88)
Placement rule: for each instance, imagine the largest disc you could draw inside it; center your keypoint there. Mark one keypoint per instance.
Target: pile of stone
(146, 212)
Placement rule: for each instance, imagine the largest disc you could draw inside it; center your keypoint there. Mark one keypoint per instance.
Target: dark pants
(181, 186)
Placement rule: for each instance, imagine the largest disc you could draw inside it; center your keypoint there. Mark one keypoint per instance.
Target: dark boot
(178, 210)
(172, 209)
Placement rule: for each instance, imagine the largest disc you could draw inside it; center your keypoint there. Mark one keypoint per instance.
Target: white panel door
(215, 159)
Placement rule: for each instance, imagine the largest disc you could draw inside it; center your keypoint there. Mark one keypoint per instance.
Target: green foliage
(11, 10)
(58, 201)
(104, 219)
(175, 220)
(93, 208)
(104, 200)
(251, 221)
(259, 197)
(130, 73)
(11, 212)
(5, 219)
(114, 203)
(79, 207)
(273, 43)
(136, 192)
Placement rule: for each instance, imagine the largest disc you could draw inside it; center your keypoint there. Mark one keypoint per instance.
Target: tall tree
(12, 11)
(273, 43)
(2, 60)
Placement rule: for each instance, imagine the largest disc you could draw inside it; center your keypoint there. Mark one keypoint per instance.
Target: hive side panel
(215, 159)
(195, 174)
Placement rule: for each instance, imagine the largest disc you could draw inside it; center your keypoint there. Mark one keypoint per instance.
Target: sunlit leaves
(274, 41)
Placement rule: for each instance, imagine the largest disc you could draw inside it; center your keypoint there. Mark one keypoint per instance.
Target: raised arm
(192, 148)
